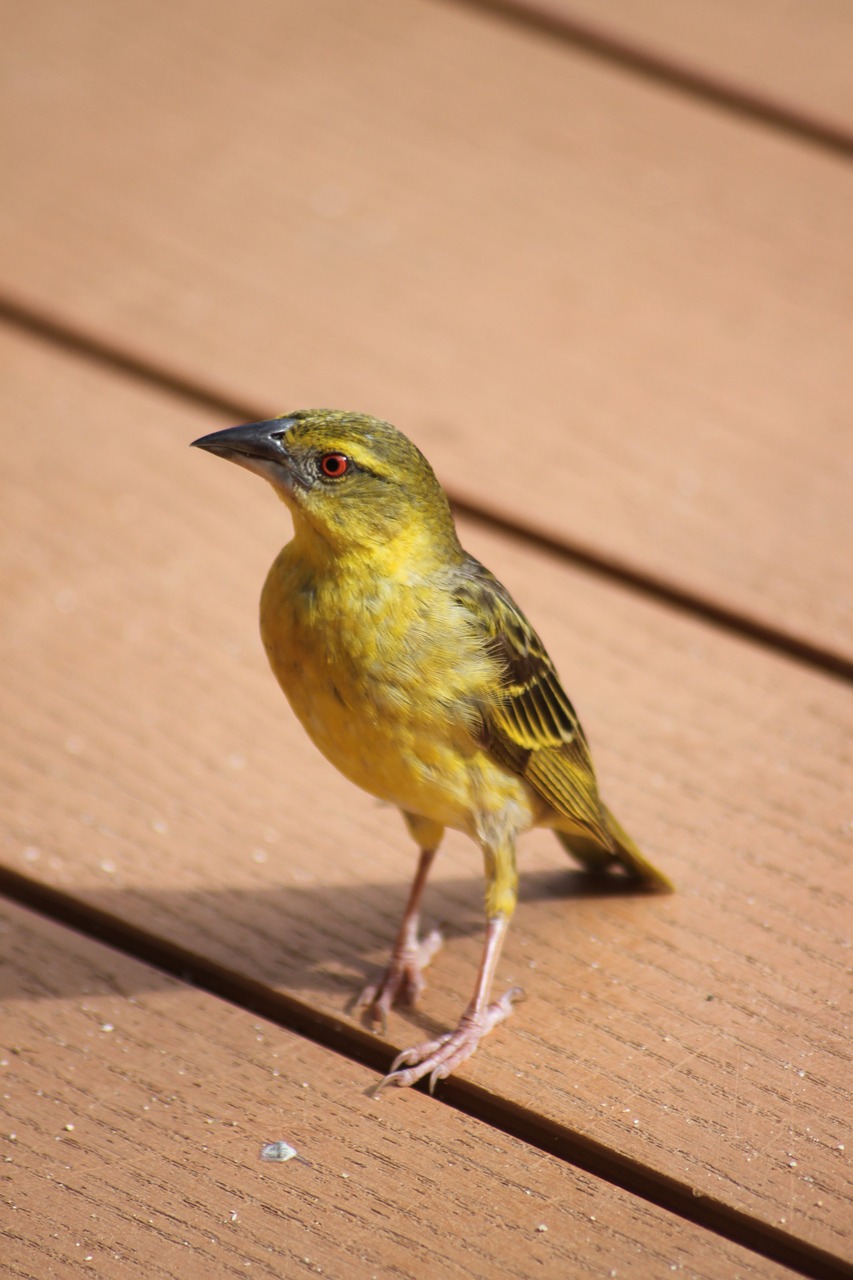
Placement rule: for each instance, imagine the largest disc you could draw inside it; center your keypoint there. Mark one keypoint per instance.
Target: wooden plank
(797, 53)
(151, 768)
(605, 309)
(134, 1111)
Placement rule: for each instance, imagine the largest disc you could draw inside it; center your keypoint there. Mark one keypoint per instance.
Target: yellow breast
(385, 677)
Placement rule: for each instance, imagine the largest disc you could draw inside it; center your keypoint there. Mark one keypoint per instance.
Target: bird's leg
(437, 1058)
(403, 979)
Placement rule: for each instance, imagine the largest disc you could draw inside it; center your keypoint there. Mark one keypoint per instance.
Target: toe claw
(402, 981)
(438, 1073)
(437, 1059)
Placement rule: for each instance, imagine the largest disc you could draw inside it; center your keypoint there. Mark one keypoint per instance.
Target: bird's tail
(597, 857)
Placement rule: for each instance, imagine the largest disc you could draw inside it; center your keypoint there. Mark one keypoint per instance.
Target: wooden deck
(613, 302)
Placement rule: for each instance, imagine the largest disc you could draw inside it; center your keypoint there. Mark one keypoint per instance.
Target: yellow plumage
(384, 681)
(417, 676)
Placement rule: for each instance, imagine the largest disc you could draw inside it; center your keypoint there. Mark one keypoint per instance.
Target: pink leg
(437, 1058)
(403, 979)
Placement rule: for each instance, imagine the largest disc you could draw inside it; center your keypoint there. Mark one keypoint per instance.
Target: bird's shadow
(320, 943)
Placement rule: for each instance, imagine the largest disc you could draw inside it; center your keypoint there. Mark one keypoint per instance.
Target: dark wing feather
(530, 725)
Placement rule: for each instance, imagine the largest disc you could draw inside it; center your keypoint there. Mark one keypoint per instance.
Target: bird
(416, 674)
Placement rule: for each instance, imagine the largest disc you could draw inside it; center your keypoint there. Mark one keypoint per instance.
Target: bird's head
(352, 480)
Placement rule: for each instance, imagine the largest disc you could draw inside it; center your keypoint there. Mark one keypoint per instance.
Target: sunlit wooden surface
(618, 321)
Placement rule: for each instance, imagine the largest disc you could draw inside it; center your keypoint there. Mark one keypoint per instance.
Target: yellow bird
(416, 674)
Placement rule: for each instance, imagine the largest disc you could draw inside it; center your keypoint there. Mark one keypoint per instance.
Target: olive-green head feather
(356, 481)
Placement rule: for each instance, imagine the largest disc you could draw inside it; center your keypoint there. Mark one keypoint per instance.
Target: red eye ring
(334, 465)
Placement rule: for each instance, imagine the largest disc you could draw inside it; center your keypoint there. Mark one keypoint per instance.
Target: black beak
(260, 440)
(260, 447)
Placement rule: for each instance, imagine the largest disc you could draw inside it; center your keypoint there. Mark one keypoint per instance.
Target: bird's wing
(530, 725)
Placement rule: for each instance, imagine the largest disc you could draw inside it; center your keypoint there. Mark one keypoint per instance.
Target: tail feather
(596, 857)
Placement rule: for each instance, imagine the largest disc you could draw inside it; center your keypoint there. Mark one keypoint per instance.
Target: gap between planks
(19, 314)
(558, 22)
(358, 1045)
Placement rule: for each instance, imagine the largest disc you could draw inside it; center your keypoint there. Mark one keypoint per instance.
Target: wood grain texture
(152, 769)
(797, 52)
(606, 310)
(133, 1114)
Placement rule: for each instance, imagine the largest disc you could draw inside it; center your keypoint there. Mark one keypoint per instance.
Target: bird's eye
(334, 465)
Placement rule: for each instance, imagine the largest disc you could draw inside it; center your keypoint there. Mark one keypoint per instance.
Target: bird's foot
(437, 1058)
(403, 980)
